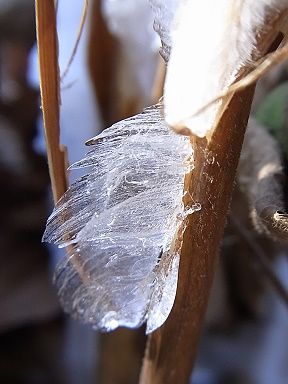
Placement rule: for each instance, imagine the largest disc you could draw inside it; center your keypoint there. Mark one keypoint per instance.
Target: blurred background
(116, 72)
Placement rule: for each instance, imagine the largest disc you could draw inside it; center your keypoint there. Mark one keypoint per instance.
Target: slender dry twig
(78, 38)
(50, 98)
(49, 85)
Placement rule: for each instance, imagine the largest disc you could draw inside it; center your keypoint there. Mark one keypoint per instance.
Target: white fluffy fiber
(211, 41)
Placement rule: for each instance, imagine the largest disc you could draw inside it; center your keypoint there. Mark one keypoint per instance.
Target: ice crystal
(119, 224)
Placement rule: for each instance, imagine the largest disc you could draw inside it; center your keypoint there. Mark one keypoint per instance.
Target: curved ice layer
(119, 224)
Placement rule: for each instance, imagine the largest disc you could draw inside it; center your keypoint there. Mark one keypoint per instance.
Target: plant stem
(171, 350)
(49, 86)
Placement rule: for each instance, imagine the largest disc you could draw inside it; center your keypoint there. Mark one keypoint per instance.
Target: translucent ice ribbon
(120, 222)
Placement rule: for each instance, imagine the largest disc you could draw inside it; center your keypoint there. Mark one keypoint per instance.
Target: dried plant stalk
(172, 349)
(50, 98)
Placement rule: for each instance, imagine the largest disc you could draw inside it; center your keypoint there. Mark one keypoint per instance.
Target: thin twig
(50, 94)
(78, 38)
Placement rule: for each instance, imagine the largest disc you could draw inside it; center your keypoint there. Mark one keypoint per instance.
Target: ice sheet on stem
(119, 224)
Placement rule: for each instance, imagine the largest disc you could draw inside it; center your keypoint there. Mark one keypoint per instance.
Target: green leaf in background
(273, 114)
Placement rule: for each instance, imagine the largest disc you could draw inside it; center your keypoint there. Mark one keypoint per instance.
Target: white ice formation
(119, 222)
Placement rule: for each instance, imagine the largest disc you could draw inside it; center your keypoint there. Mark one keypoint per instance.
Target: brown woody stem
(171, 350)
